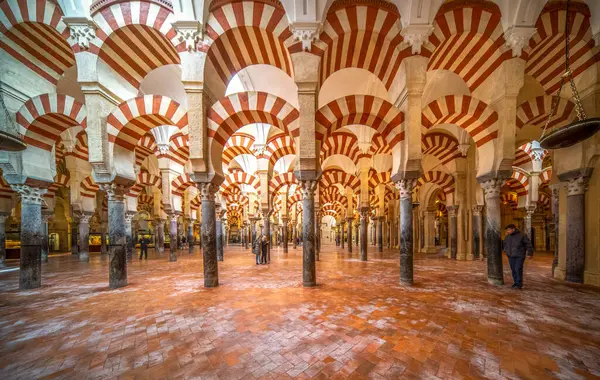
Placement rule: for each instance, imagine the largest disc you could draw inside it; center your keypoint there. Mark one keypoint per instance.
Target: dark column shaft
(190, 236)
(209, 235)
(349, 235)
(285, 236)
(476, 221)
(309, 269)
(116, 230)
(267, 232)
(406, 240)
(575, 233)
(44, 246)
(84, 238)
(129, 235)
(160, 231)
(219, 231)
(364, 221)
(555, 213)
(380, 233)
(173, 236)
(493, 239)
(453, 230)
(3, 240)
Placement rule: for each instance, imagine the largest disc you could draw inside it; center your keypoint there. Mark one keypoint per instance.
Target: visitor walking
(264, 248)
(517, 245)
(144, 247)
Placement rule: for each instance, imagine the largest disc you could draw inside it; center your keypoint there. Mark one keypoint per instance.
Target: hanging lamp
(576, 131)
(11, 142)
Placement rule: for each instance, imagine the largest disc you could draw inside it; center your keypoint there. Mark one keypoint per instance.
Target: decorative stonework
(517, 37)
(463, 149)
(163, 148)
(477, 210)
(207, 191)
(82, 29)
(529, 210)
(30, 194)
(416, 36)
(129, 217)
(492, 187)
(452, 211)
(189, 32)
(364, 214)
(173, 218)
(115, 192)
(577, 186)
(308, 188)
(305, 34)
(405, 186)
(85, 217)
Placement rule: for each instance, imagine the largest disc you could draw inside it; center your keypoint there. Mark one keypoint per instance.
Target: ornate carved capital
(577, 186)
(452, 211)
(85, 217)
(190, 32)
(517, 37)
(477, 210)
(83, 31)
(129, 216)
(173, 217)
(405, 186)
(306, 34)
(492, 187)
(115, 192)
(207, 191)
(416, 36)
(308, 188)
(30, 194)
(364, 213)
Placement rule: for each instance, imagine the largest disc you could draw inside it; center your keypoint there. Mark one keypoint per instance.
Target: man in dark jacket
(517, 245)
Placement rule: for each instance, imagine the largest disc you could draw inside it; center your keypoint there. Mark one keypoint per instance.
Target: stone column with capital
(405, 186)
(294, 235)
(364, 221)
(285, 234)
(453, 230)
(380, 233)
(74, 238)
(129, 234)
(45, 248)
(84, 236)
(309, 269)
(30, 275)
(575, 233)
(173, 236)
(117, 234)
(349, 221)
(103, 248)
(219, 231)
(3, 217)
(476, 241)
(529, 210)
(493, 240)
(209, 234)
(342, 234)
(190, 235)
(357, 233)
(267, 233)
(555, 220)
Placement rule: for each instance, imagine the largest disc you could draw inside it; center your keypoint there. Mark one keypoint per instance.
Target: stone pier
(575, 233)
(173, 237)
(45, 247)
(493, 238)
(160, 232)
(219, 232)
(190, 235)
(476, 241)
(349, 221)
(209, 234)
(364, 221)
(3, 217)
(84, 236)
(309, 270)
(453, 230)
(285, 234)
(117, 234)
(405, 186)
(380, 233)
(129, 234)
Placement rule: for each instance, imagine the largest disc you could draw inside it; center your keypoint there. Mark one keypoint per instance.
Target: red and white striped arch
(363, 34)
(136, 37)
(136, 117)
(278, 147)
(81, 147)
(377, 178)
(240, 177)
(293, 199)
(443, 180)
(239, 143)
(546, 176)
(440, 145)
(333, 197)
(283, 179)
(60, 180)
(145, 199)
(368, 110)
(536, 111)
(6, 191)
(237, 110)
(391, 195)
(545, 54)
(509, 199)
(244, 33)
(179, 151)
(146, 178)
(34, 34)
(519, 183)
(472, 115)
(196, 201)
(468, 40)
(237, 198)
(42, 119)
(144, 148)
(342, 143)
(379, 146)
(335, 176)
(544, 201)
(524, 154)
(181, 183)
(88, 188)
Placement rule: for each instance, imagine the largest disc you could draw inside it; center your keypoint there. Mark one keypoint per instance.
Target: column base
(406, 282)
(560, 273)
(84, 257)
(172, 257)
(470, 257)
(309, 284)
(496, 281)
(461, 256)
(591, 278)
(210, 283)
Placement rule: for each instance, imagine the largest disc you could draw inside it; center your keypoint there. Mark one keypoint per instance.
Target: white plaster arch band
(373, 112)
(280, 180)
(133, 119)
(130, 34)
(545, 57)
(342, 143)
(179, 151)
(536, 111)
(240, 177)
(277, 147)
(544, 201)
(378, 178)
(28, 28)
(180, 184)
(467, 39)
(519, 183)
(42, 119)
(443, 180)
(334, 176)
(145, 147)
(440, 145)
(470, 114)
(238, 144)
(81, 150)
(546, 176)
(378, 146)
(235, 29)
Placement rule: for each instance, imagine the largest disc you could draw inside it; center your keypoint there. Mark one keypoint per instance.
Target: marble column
(575, 233)
(453, 230)
(357, 233)
(30, 275)
(74, 238)
(380, 233)
(405, 186)
(209, 234)
(529, 210)
(173, 236)
(160, 232)
(349, 221)
(294, 235)
(285, 234)
(317, 235)
(129, 234)
(116, 231)
(342, 229)
(476, 240)
(309, 269)
(3, 217)
(219, 232)
(45, 248)
(103, 248)
(364, 221)
(84, 236)
(555, 219)
(493, 239)
(267, 233)
(547, 222)
(190, 236)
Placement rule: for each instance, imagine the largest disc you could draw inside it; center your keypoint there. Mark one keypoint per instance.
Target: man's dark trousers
(516, 266)
(144, 251)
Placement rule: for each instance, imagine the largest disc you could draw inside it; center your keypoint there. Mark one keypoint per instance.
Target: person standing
(264, 248)
(144, 247)
(257, 248)
(517, 246)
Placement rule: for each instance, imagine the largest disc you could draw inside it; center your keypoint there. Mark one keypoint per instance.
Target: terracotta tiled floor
(260, 323)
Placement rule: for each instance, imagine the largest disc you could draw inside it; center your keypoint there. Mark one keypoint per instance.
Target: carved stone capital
(129, 216)
(405, 186)
(463, 149)
(477, 210)
(173, 217)
(517, 37)
(307, 34)
(452, 211)
(85, 217)
(416, 36)
(492, 187)
(308, 188)
(190, 32)
(577, 186)
(83, 31)
(207, 191)
(114, 191)
(364, 213)
(30, 194)
(529, 210)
